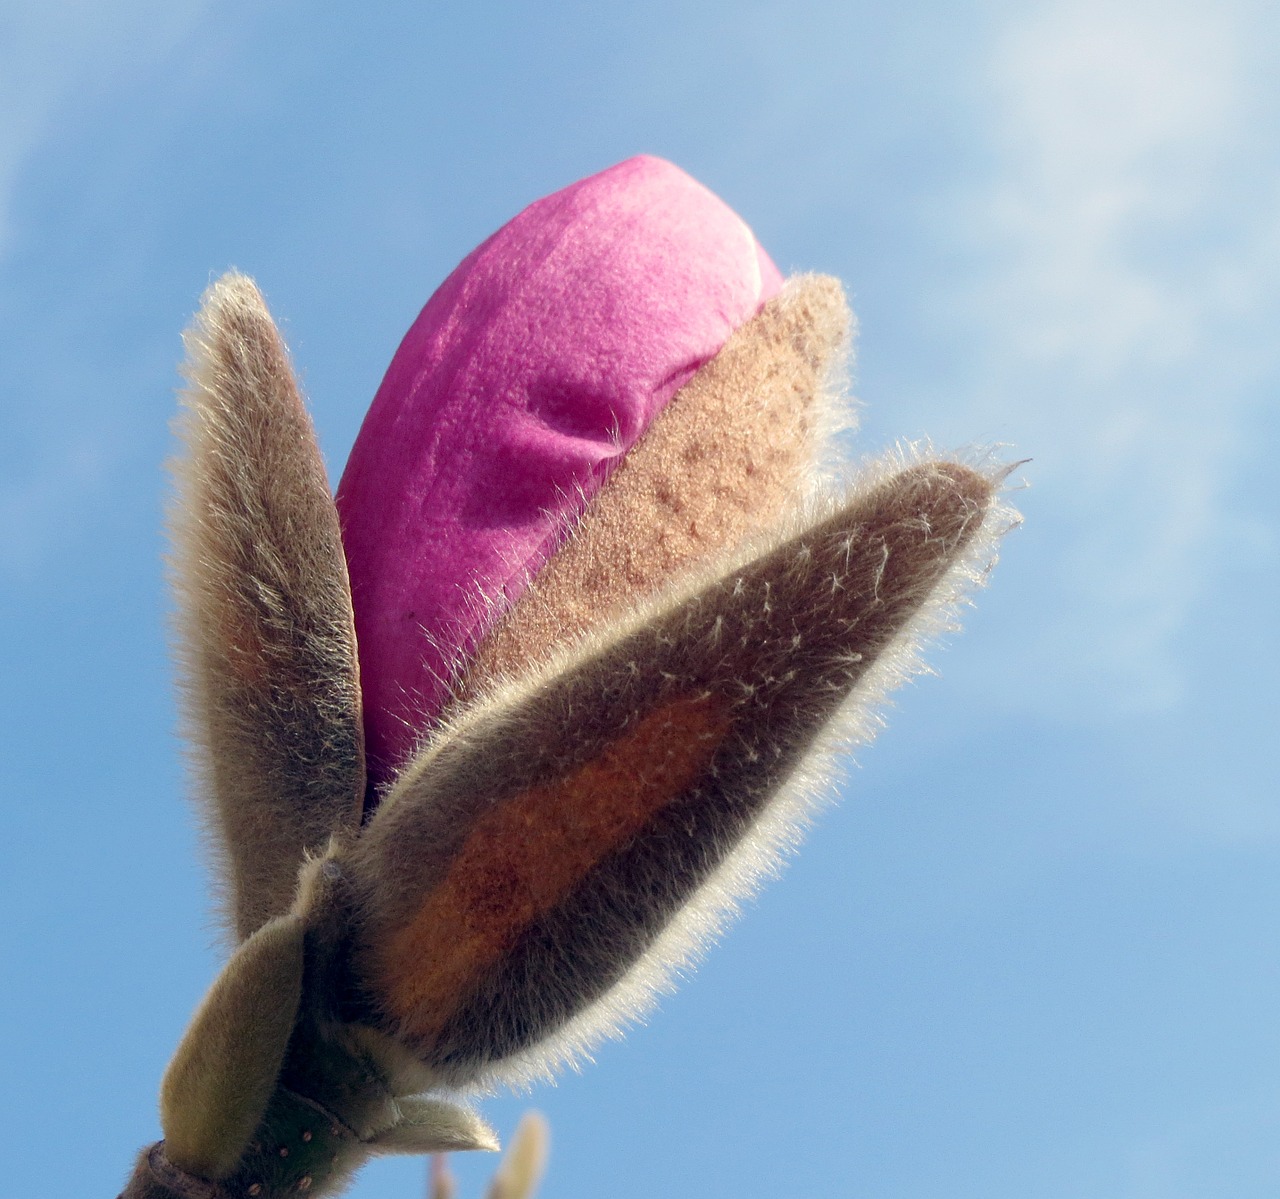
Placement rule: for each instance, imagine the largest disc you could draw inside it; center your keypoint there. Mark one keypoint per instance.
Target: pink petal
(527, 376)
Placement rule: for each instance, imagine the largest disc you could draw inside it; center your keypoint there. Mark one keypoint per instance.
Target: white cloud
(1126, 330)
(1111, 122)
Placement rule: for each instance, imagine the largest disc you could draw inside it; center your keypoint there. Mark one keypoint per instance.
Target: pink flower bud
(528, 375)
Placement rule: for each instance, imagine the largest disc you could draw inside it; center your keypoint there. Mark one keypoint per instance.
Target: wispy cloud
(1126, 329)
(54, 57)
(38, 504)
(1222, 1147)
(57, 60)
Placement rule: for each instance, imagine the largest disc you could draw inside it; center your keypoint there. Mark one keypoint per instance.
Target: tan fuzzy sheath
(721, 463)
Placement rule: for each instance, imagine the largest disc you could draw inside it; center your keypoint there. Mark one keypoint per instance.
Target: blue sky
(1033, 953)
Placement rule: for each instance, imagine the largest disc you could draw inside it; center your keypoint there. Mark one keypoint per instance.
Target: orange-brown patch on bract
(526, 855)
